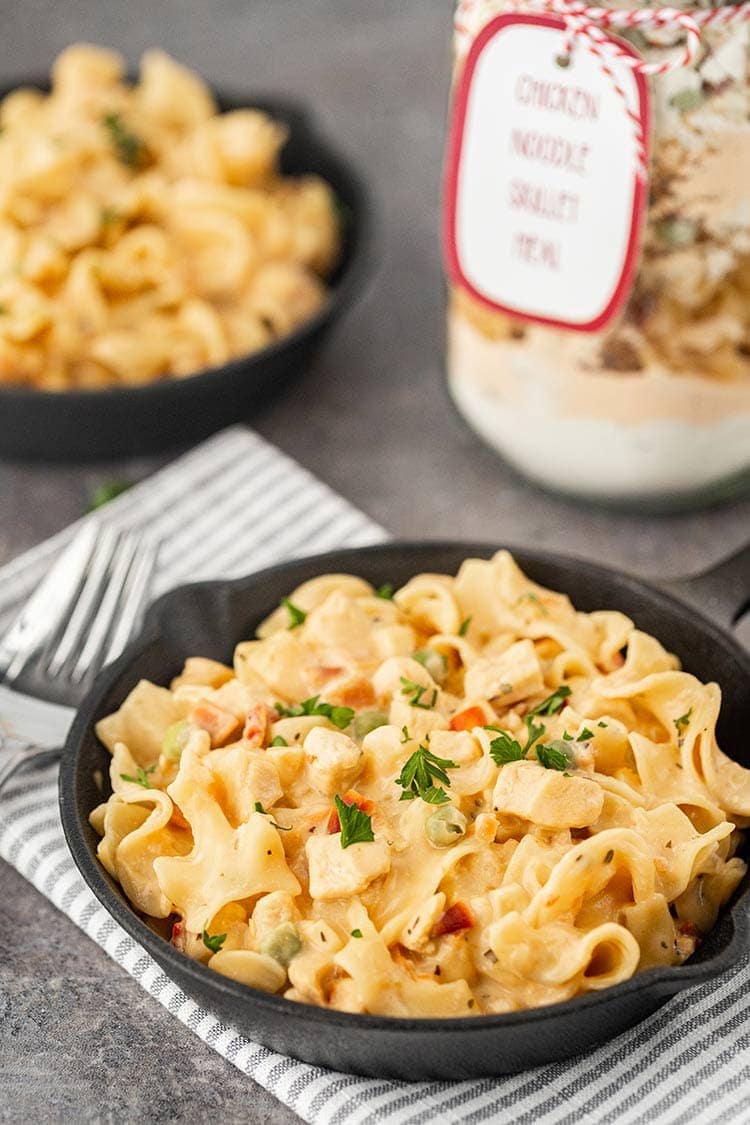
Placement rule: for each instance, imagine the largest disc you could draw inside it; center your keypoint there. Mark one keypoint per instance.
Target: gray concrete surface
(79, 1041)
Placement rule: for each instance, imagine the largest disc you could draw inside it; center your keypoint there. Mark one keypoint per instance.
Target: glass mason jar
(655, 407)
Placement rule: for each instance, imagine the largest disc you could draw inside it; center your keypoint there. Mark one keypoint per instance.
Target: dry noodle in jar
(654, 404)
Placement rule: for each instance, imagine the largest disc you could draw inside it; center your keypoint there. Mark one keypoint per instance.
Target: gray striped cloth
(688, 1062)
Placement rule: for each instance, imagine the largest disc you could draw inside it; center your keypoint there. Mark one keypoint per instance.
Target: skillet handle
(721, 593)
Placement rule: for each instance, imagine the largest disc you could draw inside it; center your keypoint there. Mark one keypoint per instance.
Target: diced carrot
(456, 917)
(219, 724)
(352, 797)
(257, 728)
(321, 674)
(468, 719)
(359, 694)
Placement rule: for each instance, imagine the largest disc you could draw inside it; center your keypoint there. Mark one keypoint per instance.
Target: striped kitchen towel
(688, 1062)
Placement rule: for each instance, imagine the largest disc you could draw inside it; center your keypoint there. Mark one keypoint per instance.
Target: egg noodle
(144, 234)
(461, 797)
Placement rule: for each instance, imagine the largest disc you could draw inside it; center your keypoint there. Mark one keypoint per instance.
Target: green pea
(445, 826)
(434, 662)
(363, 723)
(283, 943)
(175, 739)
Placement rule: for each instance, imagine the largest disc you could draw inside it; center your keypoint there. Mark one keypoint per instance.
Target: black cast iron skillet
(210, 618)
(118, 422)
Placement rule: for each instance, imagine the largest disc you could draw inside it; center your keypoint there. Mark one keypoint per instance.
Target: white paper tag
(544, 206)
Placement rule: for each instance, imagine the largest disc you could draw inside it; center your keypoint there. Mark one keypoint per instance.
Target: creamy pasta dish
(456, 798)
(144, 234)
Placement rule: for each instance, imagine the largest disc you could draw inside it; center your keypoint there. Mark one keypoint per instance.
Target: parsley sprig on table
(420, 773)
(141, 776)
(339, 716)
(356, 826)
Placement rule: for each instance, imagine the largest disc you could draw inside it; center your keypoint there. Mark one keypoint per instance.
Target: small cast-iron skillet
(210, 618)
(115, 422)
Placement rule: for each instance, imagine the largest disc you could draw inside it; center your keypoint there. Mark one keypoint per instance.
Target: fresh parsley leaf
(259, 808)
(464, 627)
(213, 942)
(553, 703)
(551, 758)
(356, 826)
(567, 737)
(131, 150)
(357, 932)
(385, 591)
(339, 716)
(141, 777)
(408, 687)
(278, 741)
(601, 724)
(683, 722)
(420, 772)
(585, 735)
(297, 616)
(504, 749)
(103, 493)
(533, 732)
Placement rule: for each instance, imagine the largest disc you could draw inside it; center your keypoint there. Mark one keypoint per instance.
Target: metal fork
(80, 618)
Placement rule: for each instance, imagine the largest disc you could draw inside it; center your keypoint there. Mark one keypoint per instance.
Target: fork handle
(24, 756)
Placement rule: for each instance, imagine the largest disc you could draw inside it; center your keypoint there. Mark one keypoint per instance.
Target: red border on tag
(450, 188)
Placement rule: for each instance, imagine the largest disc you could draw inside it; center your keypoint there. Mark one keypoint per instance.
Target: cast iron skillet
(210, 618)
(128, 421)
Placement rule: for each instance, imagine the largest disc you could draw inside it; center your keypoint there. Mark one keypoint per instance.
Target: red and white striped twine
(589, 26)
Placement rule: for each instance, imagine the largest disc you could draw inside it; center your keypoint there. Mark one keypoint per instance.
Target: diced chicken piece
(514, 674)
(418, 930)
(273, 910)
(337, 872)
(333, 760)
(201, 670)
(220, 724)
(246, 777)
(546, 797)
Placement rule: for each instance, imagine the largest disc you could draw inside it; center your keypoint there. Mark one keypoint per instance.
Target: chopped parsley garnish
(553, 703)
(103, 493)
(551, 758)
(385, 591)
(259, 808)
(357, 932)
(297, 616)
(601, 724)
(141, 776)
(464, 627)
(683, 722)
(585, 735)
(419, 774)
(213, 942)
(405, 736)
(504, 749)
(532, 597)
(567, 737)
(356, 826)
(131, 150)
(408, 687)
(278, 741)
(339, 716)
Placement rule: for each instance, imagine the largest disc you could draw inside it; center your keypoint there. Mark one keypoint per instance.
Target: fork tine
(87, 602)
(89, 659)
(41, 616)
(134, 600)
